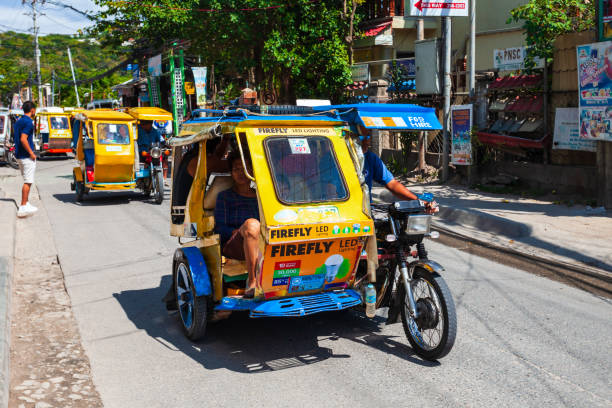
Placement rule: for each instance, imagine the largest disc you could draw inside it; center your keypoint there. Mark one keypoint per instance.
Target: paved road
(522, 340)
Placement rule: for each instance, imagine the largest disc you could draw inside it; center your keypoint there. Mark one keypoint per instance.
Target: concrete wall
(564, 179)
(491, 15)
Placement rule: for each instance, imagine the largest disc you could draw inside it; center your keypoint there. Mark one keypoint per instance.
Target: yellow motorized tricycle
(105, 149)
(52, 134)
(285, 227)
(151, 122)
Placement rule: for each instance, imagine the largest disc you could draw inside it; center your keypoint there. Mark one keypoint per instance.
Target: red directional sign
(445, 8)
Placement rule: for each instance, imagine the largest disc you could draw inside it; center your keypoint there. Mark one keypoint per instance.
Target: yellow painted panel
(347, 212)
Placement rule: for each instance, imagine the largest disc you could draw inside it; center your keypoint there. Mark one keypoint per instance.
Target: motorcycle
(150, 178)
(413, 290)
(9, 154)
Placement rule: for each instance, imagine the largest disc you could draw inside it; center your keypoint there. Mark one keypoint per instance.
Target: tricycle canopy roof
(386, 116)
(104, 115)
(369, 115)
(149, 113)
(198, 129)
(50, 110)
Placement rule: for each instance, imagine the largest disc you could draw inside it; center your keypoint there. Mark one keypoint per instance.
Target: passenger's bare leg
(250, 231)
(25, 193)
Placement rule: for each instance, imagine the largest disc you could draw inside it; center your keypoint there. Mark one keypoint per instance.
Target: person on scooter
(375, 170)
(147, 135)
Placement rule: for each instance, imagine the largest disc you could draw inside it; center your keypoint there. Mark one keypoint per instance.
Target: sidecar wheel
(193, 310)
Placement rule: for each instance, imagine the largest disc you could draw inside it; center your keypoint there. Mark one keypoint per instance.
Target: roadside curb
(7, 247)
(585, 270)
(481, 221)
(450, 216)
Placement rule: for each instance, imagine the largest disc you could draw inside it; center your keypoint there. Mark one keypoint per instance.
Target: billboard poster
(595, 90)
(567, 136)
(155, 66)
(439, 8)
(461, 136)
(199, 78)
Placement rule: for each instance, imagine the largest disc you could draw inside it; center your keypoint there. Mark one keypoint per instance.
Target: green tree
(17, 65)
(545, 20)
(299, 48)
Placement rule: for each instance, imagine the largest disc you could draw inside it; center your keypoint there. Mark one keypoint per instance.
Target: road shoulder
(7, 239)
(48, 364)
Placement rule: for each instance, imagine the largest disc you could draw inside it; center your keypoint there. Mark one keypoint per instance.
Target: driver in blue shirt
(375, 170)
(147, 135)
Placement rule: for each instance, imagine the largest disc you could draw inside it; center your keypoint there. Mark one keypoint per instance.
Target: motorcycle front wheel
(159, 187)
(432, 334)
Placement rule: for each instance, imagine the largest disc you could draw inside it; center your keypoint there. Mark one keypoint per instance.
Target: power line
(57, 22)
(70, 7)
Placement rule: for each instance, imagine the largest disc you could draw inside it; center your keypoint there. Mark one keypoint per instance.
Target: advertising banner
(294, 268)
(461, 136)
(155, 65)
(439, 8)
(595, 90)
(199, 77)
(567, 136)
(511, 59)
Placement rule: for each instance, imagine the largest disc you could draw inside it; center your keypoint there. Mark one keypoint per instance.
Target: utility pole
(37, 50)
(472, 49)
(447, 91)
(422, 142)
(52, 88)
(30, 86)
(76, 90)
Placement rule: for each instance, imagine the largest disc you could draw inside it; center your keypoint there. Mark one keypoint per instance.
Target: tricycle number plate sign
(113, 148)
(299, 146)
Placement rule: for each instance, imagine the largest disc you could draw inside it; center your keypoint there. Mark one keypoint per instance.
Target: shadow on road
(248, 345)
(105, 198)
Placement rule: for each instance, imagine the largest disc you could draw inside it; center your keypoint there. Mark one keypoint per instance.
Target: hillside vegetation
(90, 59)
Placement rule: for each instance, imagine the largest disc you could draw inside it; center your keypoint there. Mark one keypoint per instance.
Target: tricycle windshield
(113, 133)
(59, 122)
(305, 169)
(2, 122)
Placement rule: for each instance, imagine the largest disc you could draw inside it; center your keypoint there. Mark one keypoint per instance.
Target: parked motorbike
(150, 178)
(9, 152)
(413, 290)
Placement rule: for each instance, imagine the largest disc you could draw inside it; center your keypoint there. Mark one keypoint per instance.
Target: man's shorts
(27, 167)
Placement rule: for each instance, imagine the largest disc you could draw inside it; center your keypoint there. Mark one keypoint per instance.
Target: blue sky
(56, 19)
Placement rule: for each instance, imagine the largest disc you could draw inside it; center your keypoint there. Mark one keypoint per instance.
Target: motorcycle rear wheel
(12, 160)
(433, 334)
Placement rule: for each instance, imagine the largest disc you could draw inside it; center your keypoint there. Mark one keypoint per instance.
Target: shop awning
(387, 116)
(374, 31)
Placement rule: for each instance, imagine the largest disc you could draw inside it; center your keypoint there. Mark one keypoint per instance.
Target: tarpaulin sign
(155, 66)
(567, 136)
(439, 8)
(461, 136)
(199, 77)
(595, 90)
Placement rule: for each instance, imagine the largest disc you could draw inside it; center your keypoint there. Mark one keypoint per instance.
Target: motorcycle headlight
(418, 224)
(155, 152)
